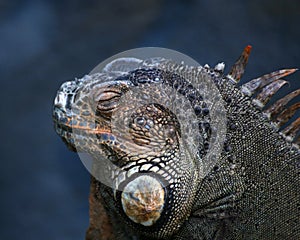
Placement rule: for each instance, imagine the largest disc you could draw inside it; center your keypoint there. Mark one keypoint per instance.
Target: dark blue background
(44, 187)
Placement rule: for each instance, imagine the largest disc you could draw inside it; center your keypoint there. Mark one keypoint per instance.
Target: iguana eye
(143, 200)
(106, 97)
(107, 101)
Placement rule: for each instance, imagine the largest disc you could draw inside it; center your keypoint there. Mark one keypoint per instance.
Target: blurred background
(44, 187)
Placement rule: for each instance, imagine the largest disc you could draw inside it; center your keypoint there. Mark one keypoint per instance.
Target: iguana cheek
(143, 200)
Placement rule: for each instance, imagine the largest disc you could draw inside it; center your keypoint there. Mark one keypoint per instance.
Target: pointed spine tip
(292, 70)
(237, 70)
(248, 49)
(286, 72)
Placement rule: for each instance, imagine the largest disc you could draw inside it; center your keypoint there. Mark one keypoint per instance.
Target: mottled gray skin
(251, 193)
(266, 174)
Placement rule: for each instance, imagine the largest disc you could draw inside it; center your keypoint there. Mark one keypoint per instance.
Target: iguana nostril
(60, 100)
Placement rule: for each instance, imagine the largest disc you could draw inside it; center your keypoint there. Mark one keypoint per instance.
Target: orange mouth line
(89, 130)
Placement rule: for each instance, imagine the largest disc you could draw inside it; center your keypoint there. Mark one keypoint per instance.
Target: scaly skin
(250, 190)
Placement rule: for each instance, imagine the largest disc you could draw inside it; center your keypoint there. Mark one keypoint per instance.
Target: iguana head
(137, 142)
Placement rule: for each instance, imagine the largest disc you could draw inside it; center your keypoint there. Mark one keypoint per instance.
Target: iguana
(152, 177)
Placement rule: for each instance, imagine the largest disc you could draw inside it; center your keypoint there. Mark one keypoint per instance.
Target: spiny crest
(265, 87)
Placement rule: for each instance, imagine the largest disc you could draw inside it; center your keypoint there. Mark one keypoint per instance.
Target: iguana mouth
(62, 115)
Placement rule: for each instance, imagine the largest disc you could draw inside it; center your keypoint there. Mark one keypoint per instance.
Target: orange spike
(287, 114)
(238, 69)
(253, 85)
(278, 106)
(265, 95)
(291, 130)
